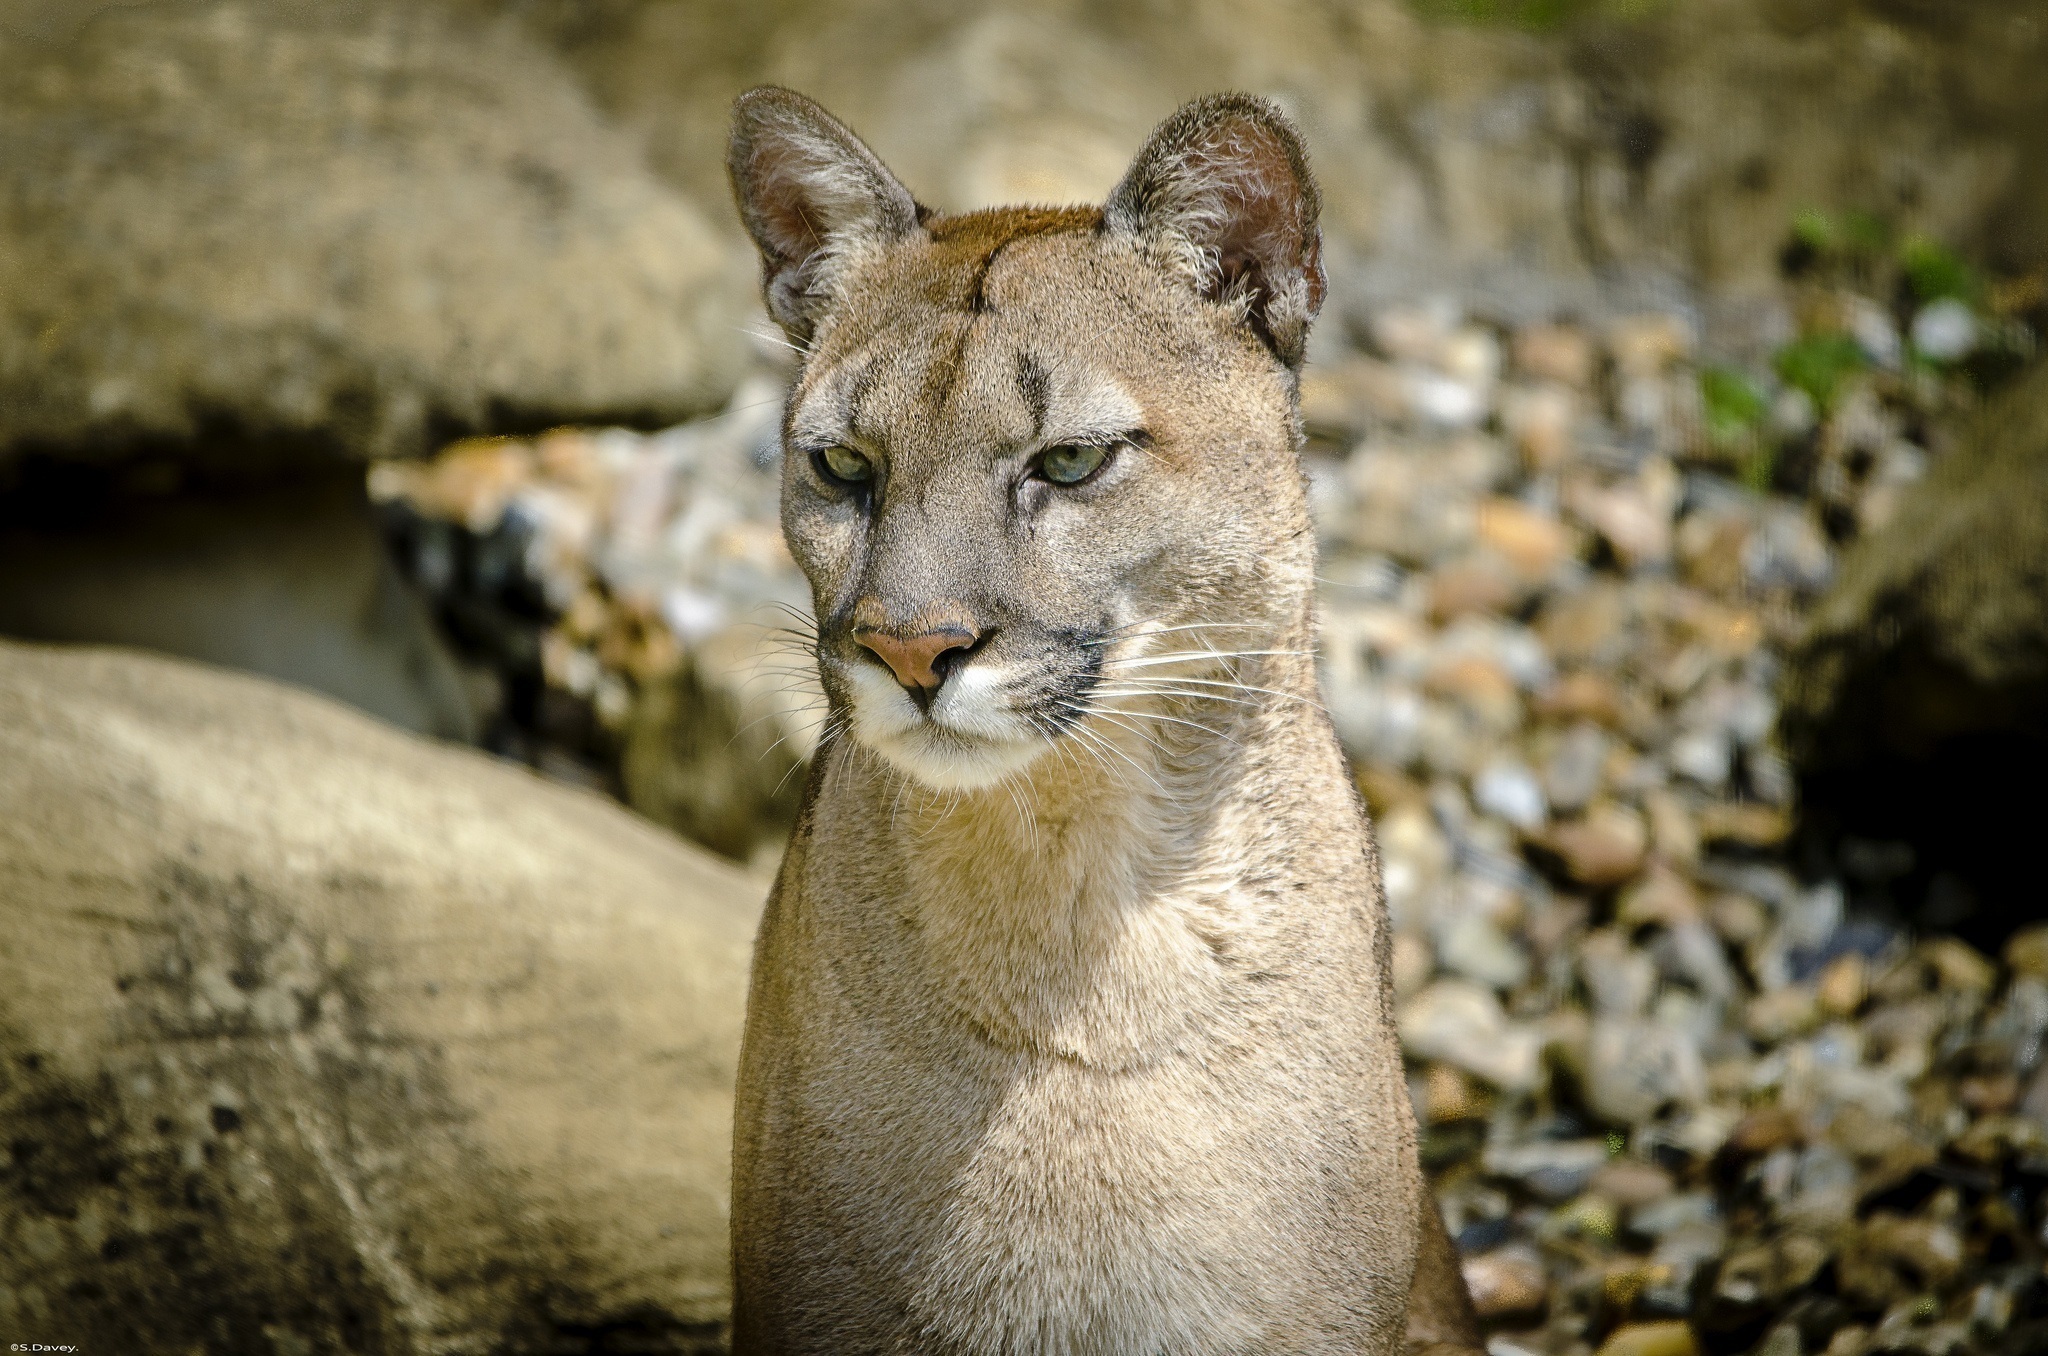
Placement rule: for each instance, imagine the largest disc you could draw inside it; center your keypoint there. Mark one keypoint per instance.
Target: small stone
(1507, 1283)
(1688, 1217)
(1636, 1067)
(2027, 951)
(1635, 521)
(1626, 1280)
(1534, 543)
(1414, 332)
(1989, 1094)
(2033, 1103)
(1705, 756)
(1631, 1183)
(1481, 582)
(1539, 420)
(1413, 965)
(1590, 1216)
(1738, 918)
(1931, 1248)
(1619, 978)
(1342, 398)
(1472, 355)
(1482, 687)
(1560, 353)
(1711, 549)
(1843, 985)
(1553, 1169)
(1583, 695)
(1445, 402)
(1944, 330)
(472, 482)
(1853, 1340)
(1674, 832)
(1782, 1013)
(1448, 1095)
(1958, 965)
(1651, 1339)
(1462, 1023)
(1509, 791)
(1645, 345)
(1662, 897)
(1585, 626)
(1574, 774)
(1747, 825)
(1474, 946)
(1604, 848)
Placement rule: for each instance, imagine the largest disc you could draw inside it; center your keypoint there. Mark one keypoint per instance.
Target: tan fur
(1095, 1055)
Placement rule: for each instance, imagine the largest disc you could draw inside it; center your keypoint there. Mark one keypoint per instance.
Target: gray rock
(1635, 1067)
(319, 1037)
(1946, 598)
(300, 231)
(1553, 1170)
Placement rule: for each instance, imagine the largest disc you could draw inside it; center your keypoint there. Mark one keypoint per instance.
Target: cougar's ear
(1222, 196)
(813, 197)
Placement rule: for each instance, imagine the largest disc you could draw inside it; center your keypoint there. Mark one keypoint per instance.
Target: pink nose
(914, 659)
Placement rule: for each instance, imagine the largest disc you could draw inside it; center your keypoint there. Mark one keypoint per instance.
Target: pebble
(1510, 791)
(1463, 1023)
(1604, 848)
(1508, 1283)
(1944, 330)
(1651, 1339)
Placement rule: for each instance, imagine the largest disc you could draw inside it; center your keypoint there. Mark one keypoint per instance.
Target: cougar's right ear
(813, 197)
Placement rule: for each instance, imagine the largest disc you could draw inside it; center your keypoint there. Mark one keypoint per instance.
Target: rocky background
(1679, 448)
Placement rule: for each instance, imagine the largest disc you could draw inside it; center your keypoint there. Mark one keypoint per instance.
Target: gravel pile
(1676, 1096)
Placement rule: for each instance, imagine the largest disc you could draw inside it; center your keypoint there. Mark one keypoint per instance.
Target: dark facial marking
(1034, 383)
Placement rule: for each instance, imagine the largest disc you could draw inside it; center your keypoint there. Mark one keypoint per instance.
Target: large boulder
(261, 232)
(1533, 150)
(318, 1038)
(1916, 704)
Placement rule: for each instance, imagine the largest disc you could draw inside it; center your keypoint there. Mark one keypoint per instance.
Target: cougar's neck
(1089, 908)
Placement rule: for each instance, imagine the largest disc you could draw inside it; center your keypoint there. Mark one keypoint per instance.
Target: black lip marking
(1064, 701)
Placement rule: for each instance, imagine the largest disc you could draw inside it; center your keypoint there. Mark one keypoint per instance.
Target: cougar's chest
(1086, 1213)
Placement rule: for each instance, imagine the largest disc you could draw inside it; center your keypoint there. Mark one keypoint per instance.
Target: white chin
(952, 762)
(967, 743)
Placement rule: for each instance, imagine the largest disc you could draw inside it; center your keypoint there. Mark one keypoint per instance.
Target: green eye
(1072, 463)
(843, 464)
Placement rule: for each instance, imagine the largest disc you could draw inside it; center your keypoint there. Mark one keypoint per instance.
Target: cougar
(1070, 1026)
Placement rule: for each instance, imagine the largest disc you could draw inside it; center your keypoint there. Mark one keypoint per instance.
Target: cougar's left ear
(813, 196)
(1222, 196)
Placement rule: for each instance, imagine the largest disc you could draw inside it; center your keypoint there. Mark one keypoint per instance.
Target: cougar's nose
(916, 647)
(916, 659)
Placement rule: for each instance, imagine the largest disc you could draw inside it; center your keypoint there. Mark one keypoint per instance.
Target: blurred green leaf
(1732, 402)
(1819, 363)
(1934, 271)
(1866, 232)
(1814, 229)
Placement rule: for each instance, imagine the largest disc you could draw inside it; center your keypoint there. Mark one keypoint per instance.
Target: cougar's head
(1036, 460)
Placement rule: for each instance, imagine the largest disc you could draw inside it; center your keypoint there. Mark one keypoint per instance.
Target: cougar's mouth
(989, 719)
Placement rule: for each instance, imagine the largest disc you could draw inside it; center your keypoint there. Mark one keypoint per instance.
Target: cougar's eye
(843, 465)
(1072, 463)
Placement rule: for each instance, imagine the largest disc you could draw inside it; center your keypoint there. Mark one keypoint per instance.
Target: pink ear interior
(776, 174)
(1225, 180)
(803, 180)
(1261, 234)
